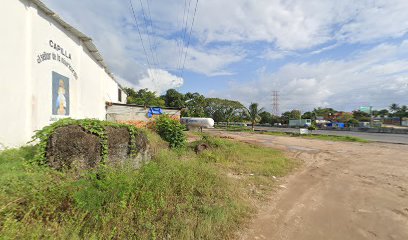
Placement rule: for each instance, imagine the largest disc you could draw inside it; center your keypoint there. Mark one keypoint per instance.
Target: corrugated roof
(87, 41)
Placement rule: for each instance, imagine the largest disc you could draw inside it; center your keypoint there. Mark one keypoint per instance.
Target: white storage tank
(198, 122)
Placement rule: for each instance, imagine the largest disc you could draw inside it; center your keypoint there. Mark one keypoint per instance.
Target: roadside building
(49, 70)
(300, 123)
(404, 122)
(392, 121)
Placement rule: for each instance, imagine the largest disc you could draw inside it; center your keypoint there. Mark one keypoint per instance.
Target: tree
(404, 109)
(361, 116)
(195, 104)
(394, 108)
(398, 111)
(173, 98)
(309, 115)
(345, 117)
(326, 113)
(286, 117)
(253, 112)
(352, 122)
(266, 117)
(294, 114)
(382, 113)
(143, 97)
(224, 110)
(275, 119)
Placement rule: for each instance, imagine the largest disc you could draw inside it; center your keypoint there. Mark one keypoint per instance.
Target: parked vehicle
(300, 123)
(197, 122)
(335, 125)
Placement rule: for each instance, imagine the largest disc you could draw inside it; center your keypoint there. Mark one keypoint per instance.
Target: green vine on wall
(93, 126)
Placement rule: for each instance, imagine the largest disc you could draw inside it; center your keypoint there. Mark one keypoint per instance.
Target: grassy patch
(336, 138)
(320, 137)
(234, 128)
(178, 195)
(285, 134)
(251, 167)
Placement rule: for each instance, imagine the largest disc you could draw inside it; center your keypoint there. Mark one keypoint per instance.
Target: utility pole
(275, 103)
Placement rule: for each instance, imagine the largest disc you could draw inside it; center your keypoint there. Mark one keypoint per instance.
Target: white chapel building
(48, 70)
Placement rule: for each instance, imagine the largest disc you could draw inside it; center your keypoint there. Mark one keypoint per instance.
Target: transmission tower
(275, 103)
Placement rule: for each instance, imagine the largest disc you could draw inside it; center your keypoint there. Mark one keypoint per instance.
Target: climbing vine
(93, 126)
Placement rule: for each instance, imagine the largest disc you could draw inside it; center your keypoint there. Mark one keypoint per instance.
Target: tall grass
(178, 195)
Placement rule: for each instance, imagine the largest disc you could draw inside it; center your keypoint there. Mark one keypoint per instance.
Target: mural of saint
(60, 95)
(61, 100)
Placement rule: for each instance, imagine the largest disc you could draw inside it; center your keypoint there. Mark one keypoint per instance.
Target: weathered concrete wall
(73, 147)
(135, 115)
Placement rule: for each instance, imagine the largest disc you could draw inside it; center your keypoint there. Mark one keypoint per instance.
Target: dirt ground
(343, 191)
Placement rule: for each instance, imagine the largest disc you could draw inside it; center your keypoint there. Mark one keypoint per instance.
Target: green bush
(312, 127)
(171, 131)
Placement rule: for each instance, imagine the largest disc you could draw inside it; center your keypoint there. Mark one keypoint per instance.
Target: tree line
(226, 110)
(196, 105)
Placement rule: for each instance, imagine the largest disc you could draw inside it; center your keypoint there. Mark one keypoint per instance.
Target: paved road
(376, 137)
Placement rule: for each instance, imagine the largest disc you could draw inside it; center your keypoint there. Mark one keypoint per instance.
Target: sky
(328, 53)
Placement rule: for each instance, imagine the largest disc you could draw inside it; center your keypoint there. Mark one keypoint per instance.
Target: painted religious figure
(61, 100)
(60, 94)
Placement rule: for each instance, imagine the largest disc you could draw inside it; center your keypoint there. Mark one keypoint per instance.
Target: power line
(151, 27)
(189, 38)
(148, 36)
(180, 23)
(147, 30)
(140, 35)
(184, 32)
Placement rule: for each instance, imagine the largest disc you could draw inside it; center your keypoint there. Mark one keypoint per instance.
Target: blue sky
(339, 54)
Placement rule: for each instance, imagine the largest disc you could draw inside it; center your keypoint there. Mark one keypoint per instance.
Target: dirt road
(344, 191)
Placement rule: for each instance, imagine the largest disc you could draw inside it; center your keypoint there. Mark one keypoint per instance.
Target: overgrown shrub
(312, 127)
(172, 131)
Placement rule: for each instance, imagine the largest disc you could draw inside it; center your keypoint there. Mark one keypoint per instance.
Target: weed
(178, 195)
(171, 131)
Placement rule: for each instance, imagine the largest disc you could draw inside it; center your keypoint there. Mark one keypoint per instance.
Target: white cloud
(159, 81)
(376, 77)
(379, 19)
(323, 49)
(288, 25)
(231, 31)
(115, 34)
(271, 54)
(213, 62)
(299, 24)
